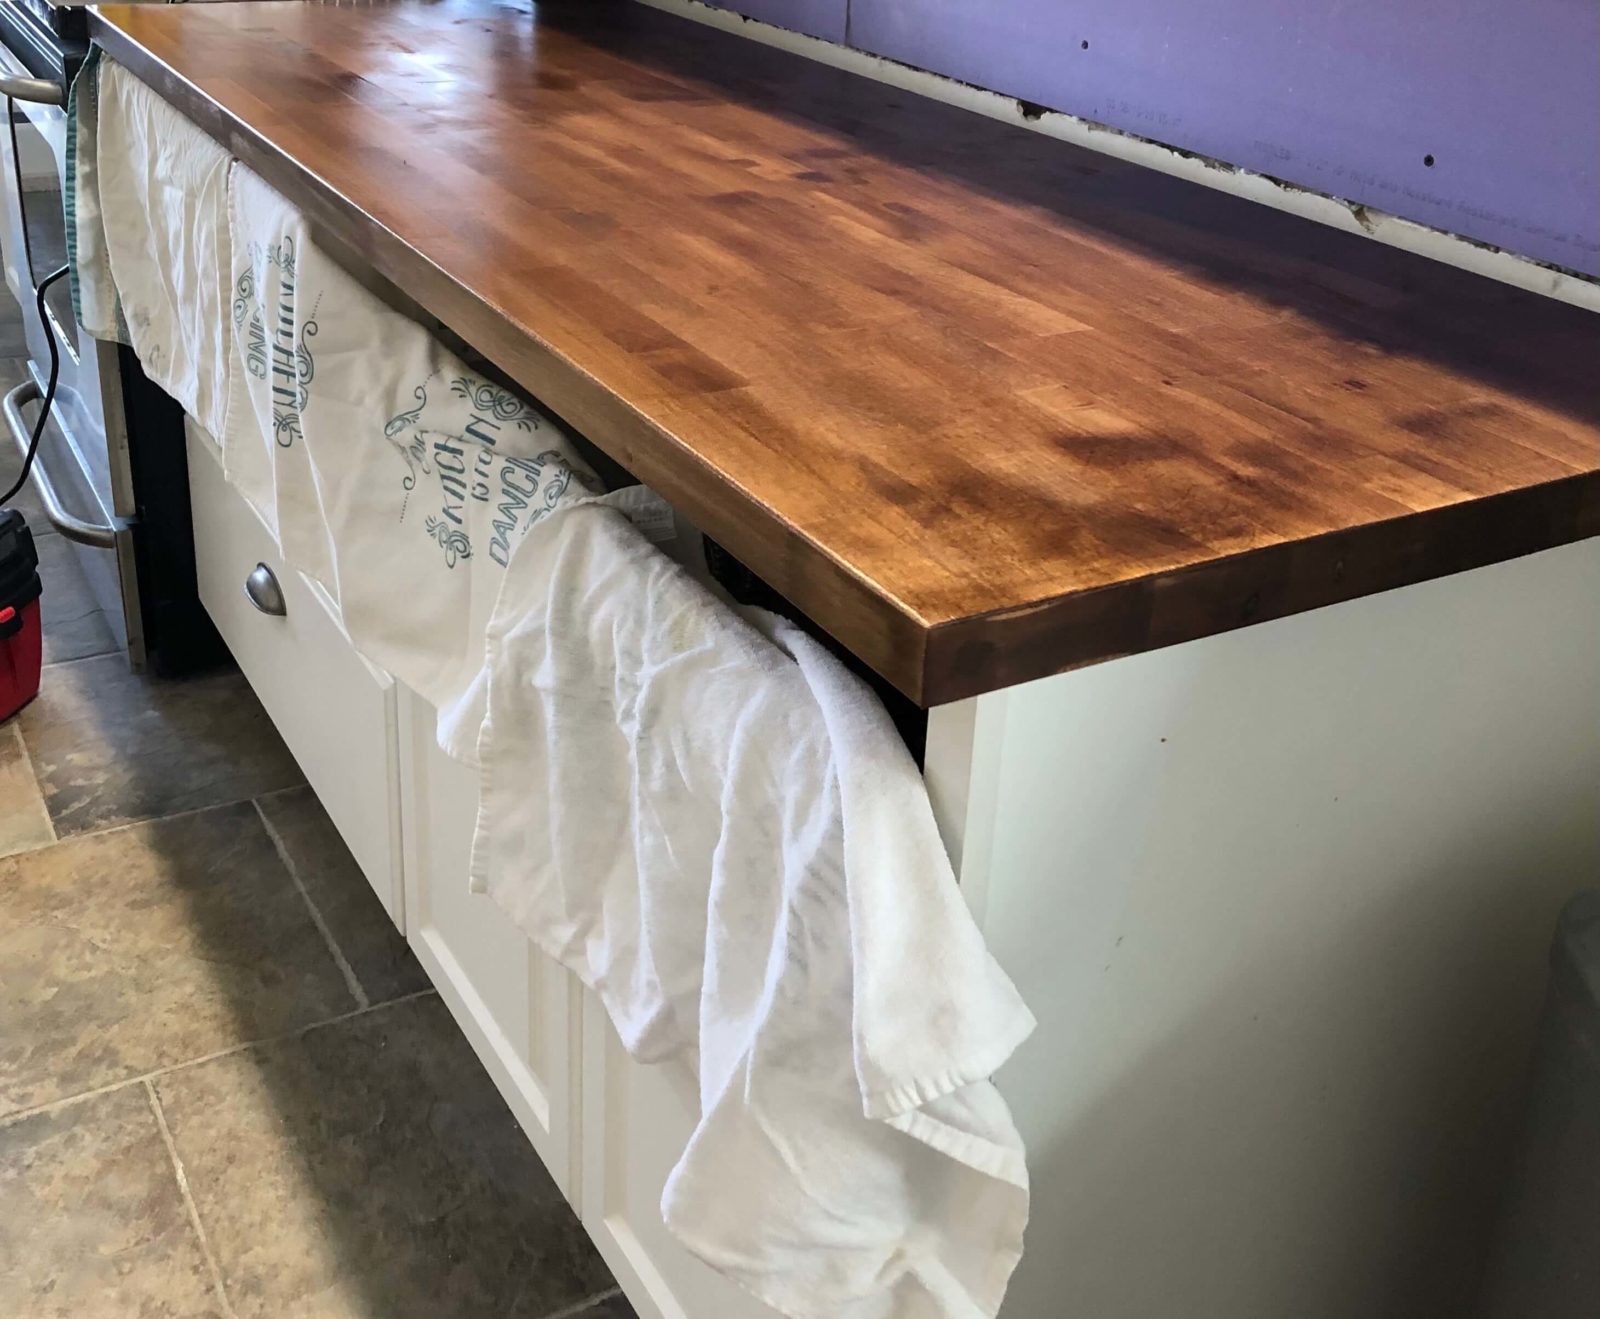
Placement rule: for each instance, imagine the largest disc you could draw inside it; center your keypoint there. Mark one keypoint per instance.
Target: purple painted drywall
(1349, 97)
(816, 18)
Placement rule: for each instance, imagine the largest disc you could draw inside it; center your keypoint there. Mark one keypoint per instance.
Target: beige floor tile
(136, 949)
(375, 951)
(24, 822)
(92, 1224)
(370, 1170)
(110, 747)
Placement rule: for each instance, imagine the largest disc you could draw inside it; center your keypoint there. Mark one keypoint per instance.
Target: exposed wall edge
(1440, 245)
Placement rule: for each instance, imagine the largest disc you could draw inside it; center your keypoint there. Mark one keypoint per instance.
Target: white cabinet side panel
(1281, 900)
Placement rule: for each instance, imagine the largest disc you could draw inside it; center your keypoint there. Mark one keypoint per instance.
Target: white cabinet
(367, 747)
(334, 711)
(1279, 899)
(636, 1123)
(516, 1006)
(608, 1129)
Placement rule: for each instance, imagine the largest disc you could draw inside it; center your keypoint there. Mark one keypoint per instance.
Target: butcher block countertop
(985, 406)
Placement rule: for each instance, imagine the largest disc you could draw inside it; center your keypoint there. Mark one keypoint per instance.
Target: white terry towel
(162, 185)
(389, 471)
(715, 825)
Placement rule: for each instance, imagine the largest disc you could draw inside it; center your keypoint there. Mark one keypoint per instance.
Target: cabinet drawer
(514, 1004)
(335, 712)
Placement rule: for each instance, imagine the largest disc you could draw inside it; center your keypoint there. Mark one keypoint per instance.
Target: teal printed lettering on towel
(246, 307)
(471, 469)
(286, 356)
(519, 483)
(480, 429)
(451, 464)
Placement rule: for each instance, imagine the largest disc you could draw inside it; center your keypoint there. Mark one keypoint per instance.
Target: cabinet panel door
(636, 1122)
(511, 1001)
(334, 711)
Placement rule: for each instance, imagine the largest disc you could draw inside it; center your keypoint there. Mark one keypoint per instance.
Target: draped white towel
(716, 826)
(390, 472)
(166, 185)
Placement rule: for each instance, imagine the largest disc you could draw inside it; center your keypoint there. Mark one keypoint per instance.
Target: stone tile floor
(226, 1088)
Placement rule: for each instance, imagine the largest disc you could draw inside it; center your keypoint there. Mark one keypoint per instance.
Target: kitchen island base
(1280, 900)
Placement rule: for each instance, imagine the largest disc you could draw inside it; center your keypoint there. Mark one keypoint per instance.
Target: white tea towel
(389, 471)
(162, 187)
(715, 825)
(94, 291)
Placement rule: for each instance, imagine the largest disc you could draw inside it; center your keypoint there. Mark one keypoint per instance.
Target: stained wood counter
(984, 405)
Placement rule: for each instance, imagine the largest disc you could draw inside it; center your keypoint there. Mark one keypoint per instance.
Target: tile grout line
(148, 820)
(339, 959)
(73, 659)
(156, 1073)
(27, 762)
(80, 659)
(188, 1196)
(583, 1307)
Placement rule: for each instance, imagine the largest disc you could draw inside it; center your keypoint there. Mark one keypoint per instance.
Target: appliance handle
(102, 536)
(40, 91)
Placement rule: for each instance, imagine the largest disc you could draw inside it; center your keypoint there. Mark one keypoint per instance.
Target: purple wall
(1349, 97)
(816, 18)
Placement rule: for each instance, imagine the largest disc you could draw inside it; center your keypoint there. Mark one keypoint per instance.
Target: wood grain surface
(984, 405)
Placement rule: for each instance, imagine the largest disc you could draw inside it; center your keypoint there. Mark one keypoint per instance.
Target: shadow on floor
(358, 1162)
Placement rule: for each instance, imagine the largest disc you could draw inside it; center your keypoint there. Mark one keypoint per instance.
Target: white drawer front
(515, 1005)
(334, 711)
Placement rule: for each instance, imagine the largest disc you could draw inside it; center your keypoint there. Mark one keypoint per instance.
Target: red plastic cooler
(19, 614)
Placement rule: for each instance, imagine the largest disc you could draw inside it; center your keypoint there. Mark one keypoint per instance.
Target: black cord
(50, 388)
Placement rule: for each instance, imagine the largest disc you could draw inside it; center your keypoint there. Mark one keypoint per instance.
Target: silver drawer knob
(264, 592)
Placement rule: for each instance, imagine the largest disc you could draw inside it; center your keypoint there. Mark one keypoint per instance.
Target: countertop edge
(1259, 586)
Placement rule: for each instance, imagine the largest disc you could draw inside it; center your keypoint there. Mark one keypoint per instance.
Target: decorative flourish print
(403, 420)
(452, 540)
(286, 428)
(247, 307)
(244, 292)
(556, 491)
(416, 452)
(499, 403)
(281, 254)
(304, 364)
